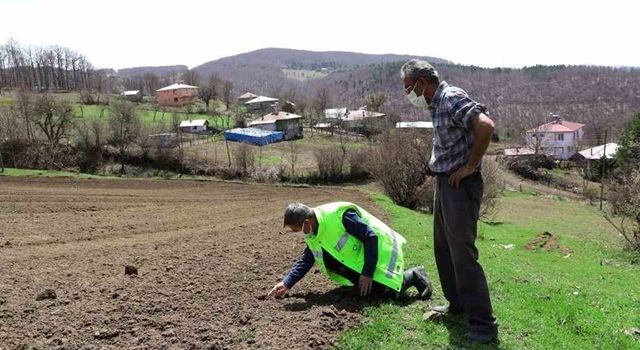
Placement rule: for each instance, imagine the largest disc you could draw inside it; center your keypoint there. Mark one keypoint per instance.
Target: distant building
(262, 104)
(516, 152)
(247, 96)
(558, 138)
(288, 123)
(194, 126)
(596, 153)
(336, 113)
(357, 120)
(132, 95)
(415, 125)
(176, 95)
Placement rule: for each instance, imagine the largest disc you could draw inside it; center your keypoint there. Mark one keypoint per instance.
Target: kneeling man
(352, 248)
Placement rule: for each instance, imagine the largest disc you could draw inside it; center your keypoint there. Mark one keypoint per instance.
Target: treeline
(43, 68)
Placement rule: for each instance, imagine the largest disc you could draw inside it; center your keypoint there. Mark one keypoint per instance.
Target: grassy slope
(147, 116)
(542, 299)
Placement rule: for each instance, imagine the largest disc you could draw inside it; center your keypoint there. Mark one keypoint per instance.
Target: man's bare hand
(278, 291)
(459, 175)
(365, 284)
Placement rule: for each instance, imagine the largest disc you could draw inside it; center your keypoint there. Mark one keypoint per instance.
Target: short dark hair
(296, 214)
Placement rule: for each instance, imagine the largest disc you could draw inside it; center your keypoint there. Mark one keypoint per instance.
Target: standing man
(462, 132)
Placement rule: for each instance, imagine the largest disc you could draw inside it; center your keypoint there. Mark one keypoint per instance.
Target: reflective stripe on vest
(394, 256)
(342, 241)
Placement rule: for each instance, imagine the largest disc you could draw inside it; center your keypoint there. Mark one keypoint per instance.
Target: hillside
(601, 97)
(519, 99)
(160, 71)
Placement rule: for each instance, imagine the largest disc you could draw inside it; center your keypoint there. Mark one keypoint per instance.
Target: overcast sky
(119, 34)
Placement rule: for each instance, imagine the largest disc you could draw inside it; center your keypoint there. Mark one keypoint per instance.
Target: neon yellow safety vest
(348, 250)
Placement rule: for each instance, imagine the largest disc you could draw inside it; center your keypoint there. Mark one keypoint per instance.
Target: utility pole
(604, 161)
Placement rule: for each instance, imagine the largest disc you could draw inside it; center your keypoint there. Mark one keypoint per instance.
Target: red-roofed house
(558, 138)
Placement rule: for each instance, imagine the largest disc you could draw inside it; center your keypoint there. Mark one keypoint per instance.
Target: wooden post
(1, 164)
(604, 161)
(228, 154)
(260, 158)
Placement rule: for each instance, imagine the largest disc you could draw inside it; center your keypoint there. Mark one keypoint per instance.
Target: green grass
(95, 112)
(543, 300)
(48, 173)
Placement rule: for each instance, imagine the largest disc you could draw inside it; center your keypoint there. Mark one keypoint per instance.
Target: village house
(246, 97)
(132, 95)
(176, 95)
(194, 126)
(357, 120)
(288, 123)
(262, 104)
(558, 138)
(335, 113)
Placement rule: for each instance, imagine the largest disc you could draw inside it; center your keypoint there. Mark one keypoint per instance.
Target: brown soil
(206, 254)
(546, 241)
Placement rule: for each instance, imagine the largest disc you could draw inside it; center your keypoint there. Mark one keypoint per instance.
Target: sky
(119, 34)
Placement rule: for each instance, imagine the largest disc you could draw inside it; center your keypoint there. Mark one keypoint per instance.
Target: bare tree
(52, 118)
(191, 77)
(227, 88)
(124, 128)
(375, 101)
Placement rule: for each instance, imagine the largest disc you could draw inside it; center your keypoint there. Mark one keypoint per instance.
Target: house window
(560, 137)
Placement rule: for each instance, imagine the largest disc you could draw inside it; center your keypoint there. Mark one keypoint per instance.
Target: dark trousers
(455, 224)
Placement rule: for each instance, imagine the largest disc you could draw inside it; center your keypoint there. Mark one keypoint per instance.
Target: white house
(558, 138)
(194, 126)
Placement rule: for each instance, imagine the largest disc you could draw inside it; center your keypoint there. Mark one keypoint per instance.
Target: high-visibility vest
(333, 238)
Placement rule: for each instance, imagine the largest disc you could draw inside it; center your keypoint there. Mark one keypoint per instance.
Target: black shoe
(422, 283)
(448, 309)
(481, 338)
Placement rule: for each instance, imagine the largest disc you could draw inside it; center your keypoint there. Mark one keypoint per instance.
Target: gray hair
(296, 213)
(415, 69)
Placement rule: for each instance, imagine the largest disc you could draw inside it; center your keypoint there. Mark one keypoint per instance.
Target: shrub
(401, 164)
(359, 163)
(329, 160)
(492, 188)
(244, 159)
(625, 204)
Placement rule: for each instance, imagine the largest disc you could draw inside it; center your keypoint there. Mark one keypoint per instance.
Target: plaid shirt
(453, 113)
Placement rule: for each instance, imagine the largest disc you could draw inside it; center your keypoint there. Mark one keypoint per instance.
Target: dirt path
(206, 254)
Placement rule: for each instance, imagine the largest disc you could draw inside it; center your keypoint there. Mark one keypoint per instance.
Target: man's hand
(365, 284)
(278, 291)
(458, 175)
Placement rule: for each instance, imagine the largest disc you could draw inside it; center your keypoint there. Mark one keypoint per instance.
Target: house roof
(273, 117)
(177, 86)
(261, 99)
(414, 125)
(361, 114)
(190, 123)
(247, 95)
(557, 126)
(518, 151)
(336, 113)
(130, 92)
(598, 151)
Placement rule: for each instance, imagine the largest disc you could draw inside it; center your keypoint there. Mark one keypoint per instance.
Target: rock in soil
(105, 334)
(46, 294)
(130, 270)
